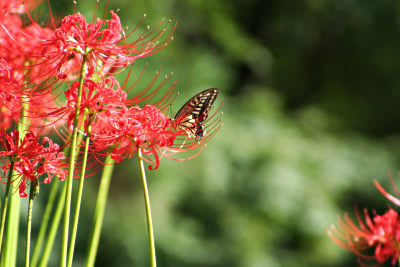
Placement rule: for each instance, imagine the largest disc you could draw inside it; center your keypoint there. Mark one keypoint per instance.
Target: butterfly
(192, 115)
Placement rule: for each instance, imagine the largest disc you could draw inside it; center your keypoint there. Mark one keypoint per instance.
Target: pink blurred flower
(380, 233)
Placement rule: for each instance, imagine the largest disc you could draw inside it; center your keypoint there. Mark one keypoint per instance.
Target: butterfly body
(192, 115)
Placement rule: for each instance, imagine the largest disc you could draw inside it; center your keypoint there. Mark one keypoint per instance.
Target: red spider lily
(32, 159)
(96, 97)
(381, 233)
(38, 109)
(103, 42)
(10, 49)
(5, 71)
(49, 54)
(22, 47)
(10, 101)
(9, 112)
(38, 66)
(12, 95)
(122, 131)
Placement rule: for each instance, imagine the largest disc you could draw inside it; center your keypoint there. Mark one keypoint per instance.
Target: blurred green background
(311, 97)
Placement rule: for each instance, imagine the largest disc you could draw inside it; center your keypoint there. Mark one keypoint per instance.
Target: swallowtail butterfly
(194, 113)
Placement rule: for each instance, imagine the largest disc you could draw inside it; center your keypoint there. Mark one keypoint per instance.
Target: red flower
(96, 97)
(5, 71)
(41, 110)
(103, 42)
(121, 131)
(38, 65)
(124, 130)
(32, 159)
(22, 46)
(10, 101)
(381, 233)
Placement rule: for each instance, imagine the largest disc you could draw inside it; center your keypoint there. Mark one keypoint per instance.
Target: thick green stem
(9, 254)
(101, 204)
(44, 223)
(9, 251)
(68, 193)
(53, 228)
(5, 205)
(79, 196)
(54, 223)
(152, 247)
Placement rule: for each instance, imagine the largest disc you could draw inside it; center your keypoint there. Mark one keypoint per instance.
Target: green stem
(152, 247)
(99, 211)
(9, 254)
(9, 251)
(6, 197)
(32, 195)
(53, 228)
(79, 196)
(44, 223)
(68, 193)
(55, 222)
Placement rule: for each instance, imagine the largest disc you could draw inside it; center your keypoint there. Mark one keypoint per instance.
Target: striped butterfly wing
(194, 113)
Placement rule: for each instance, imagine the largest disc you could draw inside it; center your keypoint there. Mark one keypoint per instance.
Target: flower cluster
(103, 42)
(380, 233)
(60, 79)
(35, 60)
(123, 131)
(10, 101)
(96, 98)
(31, 159)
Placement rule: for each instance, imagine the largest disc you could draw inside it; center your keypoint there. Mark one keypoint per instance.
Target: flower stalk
(152, 247)
(34, 190)
(79, 196)
(101, 204)
(5, 203)
(9, 253)
(11, 241)
(44, 224)
(53, 229)
(68, 193)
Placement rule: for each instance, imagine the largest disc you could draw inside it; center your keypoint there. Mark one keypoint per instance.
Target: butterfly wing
(194, 113)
